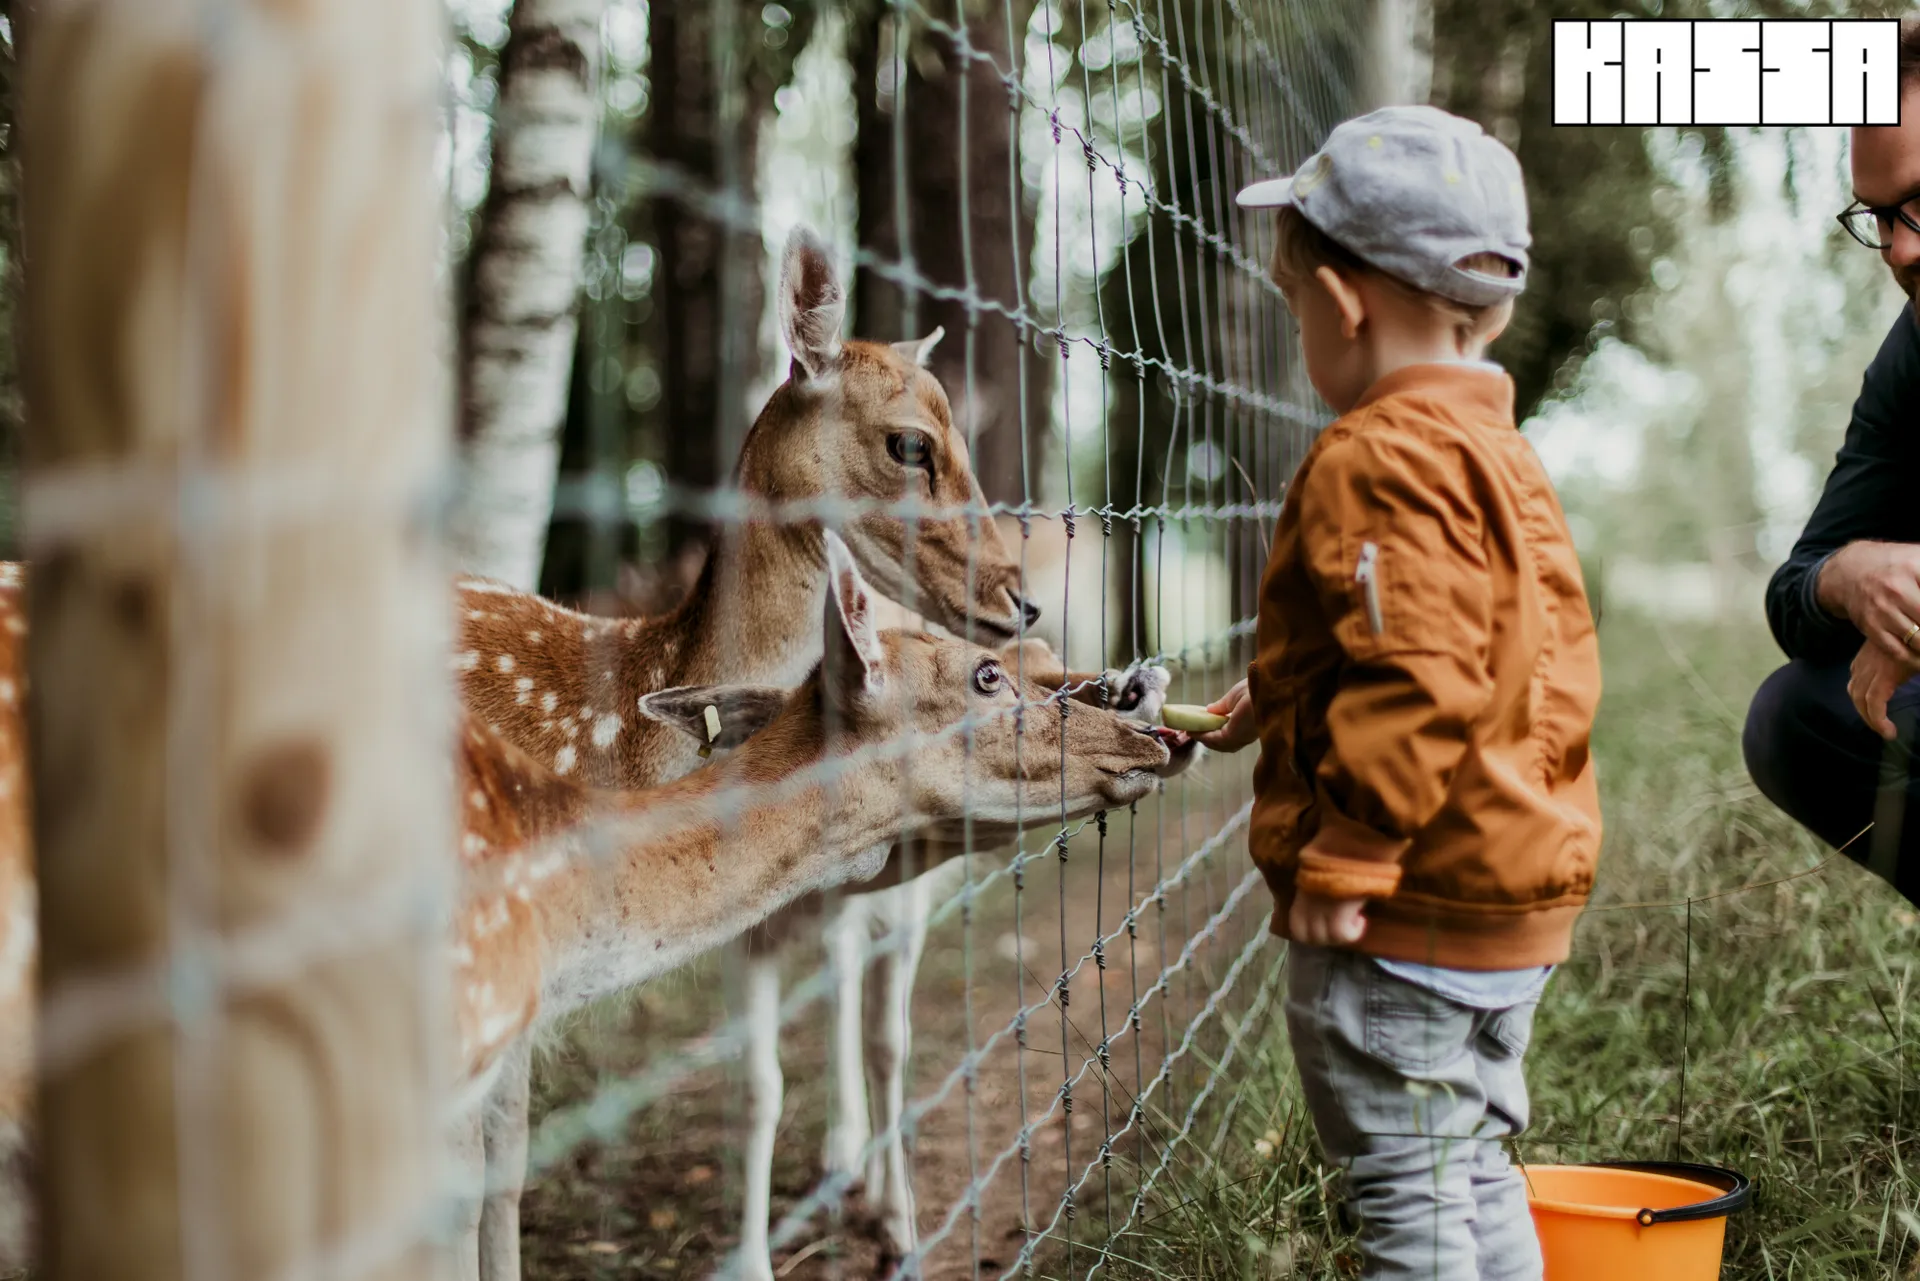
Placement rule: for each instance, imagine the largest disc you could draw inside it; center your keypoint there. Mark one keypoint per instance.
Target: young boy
(1425, 685)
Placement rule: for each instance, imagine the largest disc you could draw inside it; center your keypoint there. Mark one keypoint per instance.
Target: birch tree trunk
(521, 321)
(239, 702)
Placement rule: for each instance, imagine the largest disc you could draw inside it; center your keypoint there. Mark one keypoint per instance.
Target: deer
(570, 892)
(872, 1029)
(859, 423)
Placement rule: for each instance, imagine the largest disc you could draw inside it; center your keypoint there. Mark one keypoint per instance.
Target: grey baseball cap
(1413, 191)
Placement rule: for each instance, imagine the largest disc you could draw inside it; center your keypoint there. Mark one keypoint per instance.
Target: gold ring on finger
(1906, 641)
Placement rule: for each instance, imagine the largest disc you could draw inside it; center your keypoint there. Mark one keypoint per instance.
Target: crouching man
(1830, 737)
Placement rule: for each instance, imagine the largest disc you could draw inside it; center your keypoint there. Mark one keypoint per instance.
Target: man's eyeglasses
(1872, 225)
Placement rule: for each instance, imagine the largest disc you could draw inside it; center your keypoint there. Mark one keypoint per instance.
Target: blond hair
(1301, 249)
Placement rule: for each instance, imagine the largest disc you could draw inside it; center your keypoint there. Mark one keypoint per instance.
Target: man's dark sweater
(1806, 746)
(1873, 493)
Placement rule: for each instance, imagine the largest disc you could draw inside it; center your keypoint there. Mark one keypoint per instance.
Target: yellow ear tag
(713, 730)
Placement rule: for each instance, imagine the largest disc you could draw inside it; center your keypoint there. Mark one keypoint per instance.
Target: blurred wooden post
(241, 796)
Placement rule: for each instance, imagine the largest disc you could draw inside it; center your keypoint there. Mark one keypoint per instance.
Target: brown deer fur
(569, 892)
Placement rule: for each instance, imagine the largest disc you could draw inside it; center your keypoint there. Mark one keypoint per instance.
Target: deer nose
(1028, 609)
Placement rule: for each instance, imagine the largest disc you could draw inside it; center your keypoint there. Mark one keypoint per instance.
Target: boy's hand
(1239, 731)
(1326, 922)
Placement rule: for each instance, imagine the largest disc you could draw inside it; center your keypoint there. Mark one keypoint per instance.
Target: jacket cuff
(1346, 859)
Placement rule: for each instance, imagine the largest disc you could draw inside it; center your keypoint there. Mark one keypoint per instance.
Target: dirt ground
(663, 1200)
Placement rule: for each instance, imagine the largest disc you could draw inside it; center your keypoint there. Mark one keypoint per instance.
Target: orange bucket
(1648, 1220)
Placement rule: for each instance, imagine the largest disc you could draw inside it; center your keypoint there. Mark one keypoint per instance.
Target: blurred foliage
(1594, 193)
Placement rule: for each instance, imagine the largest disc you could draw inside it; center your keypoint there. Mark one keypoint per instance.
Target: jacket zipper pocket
(1366, 574)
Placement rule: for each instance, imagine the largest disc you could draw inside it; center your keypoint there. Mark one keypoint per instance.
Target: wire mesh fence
(1019, 1047)
(1052, 186)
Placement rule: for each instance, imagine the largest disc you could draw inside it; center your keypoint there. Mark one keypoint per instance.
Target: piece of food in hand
(1191, 717)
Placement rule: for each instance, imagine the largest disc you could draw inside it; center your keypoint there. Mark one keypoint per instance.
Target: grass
(1764, 1029)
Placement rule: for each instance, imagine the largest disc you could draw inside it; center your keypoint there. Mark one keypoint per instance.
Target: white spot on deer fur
(496, 1025)
(563, 760)
(16, 625)
(7, 692)
(486, 588)
(606, 676)
(605, 730)
(473, 843)
(476, 613)
(477, 799)
(10, 574)
(524, 689)
(534, 636)
(549, 701)
(504, 662)
(467, 661)
(462, 954)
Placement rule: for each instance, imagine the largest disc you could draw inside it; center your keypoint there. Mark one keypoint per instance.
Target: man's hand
(1239, 731)
(1876, 674)
(1877, 587)
(1326, 922)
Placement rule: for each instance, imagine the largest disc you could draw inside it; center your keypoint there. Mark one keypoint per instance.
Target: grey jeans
(1411, 1094)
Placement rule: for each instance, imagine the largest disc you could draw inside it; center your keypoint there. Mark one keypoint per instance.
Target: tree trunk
(707, 109)
(994, 220)
(238, 713)
(520, 324)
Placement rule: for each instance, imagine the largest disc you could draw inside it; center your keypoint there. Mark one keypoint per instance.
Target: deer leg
(846, 937)
(889, 1041)
(504, 1135)
(764, 1087)
(468, 1167)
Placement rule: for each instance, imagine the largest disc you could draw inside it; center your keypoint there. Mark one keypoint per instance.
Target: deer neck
(630, 910)
(753, 618)
(765, 587)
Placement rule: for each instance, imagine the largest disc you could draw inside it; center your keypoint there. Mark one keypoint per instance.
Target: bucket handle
(1736, 1190)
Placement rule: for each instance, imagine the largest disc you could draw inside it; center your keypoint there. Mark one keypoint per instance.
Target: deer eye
(988, 678)
(911, 449)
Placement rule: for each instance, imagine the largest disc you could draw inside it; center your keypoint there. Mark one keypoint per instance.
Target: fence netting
(1052, 185)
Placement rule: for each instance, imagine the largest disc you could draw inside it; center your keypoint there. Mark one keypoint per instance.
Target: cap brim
(1271, 194)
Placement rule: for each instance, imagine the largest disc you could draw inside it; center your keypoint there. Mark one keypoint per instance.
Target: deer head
(866, 422)
(943, 724)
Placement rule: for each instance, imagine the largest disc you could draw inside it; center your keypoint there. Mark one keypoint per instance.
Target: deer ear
(920, 351)
(812, 305)
(853, 664)
(742, 711)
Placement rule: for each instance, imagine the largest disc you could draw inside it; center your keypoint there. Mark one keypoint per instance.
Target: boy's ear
(1495, 324)
(1346, 300)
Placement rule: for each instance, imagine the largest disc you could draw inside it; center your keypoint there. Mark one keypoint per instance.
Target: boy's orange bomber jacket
(1426, 682)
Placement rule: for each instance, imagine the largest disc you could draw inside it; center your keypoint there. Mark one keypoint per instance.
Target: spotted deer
(570, 892)
(872, 992)
(863, 425)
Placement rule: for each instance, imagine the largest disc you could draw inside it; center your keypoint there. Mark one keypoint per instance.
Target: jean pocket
(1410, 1028)
(1509, 1032)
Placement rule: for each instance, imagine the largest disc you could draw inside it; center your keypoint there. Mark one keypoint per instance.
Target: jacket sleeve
(1395, 543)
(1867, 495)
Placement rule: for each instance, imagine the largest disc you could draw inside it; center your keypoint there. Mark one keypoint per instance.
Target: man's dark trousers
(1810, 753)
